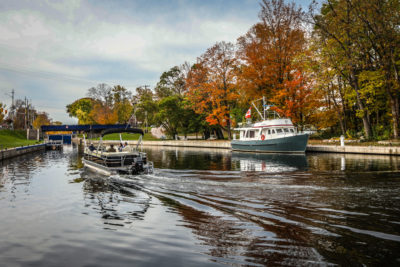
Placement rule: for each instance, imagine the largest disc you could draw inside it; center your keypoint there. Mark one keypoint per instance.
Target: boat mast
(263, 106)
(263, 117)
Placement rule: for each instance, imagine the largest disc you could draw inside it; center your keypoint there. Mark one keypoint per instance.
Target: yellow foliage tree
(41, 119)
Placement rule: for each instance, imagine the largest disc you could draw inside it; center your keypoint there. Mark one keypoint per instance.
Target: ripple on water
(201, 208)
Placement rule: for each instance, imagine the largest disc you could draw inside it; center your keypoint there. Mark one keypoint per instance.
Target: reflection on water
(202, 207)
(263, 162)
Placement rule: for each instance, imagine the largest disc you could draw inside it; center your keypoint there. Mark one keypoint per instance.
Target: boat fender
(262, 137)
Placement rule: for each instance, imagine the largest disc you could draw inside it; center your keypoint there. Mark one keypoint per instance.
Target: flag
(248, 113)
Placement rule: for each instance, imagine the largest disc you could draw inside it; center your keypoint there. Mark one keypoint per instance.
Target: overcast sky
(52, 51)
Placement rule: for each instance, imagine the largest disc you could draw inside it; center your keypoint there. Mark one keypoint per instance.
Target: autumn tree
(379, 23)
(3, 112)
(212, 85)
(104, 105)
(41, 119)
(272, 55)
(103, 114)
(81, 109)
(338, 31)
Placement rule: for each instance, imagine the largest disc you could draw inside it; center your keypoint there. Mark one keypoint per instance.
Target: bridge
(82, 128)
(66, 138)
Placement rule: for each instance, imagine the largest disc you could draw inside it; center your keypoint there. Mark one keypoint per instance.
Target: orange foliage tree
(212, 87)
(103, 114)
(270, 55)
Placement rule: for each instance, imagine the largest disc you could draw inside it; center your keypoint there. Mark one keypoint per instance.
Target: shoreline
(224, 144)
(219, 144)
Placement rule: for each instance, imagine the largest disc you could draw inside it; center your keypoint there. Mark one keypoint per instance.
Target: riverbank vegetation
(334, 68)
(14, 138)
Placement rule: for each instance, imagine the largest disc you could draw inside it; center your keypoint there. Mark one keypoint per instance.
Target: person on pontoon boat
(121, 146)
(91, 147)
(111, 149)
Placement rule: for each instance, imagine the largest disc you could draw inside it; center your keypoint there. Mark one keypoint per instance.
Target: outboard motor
(137, 165)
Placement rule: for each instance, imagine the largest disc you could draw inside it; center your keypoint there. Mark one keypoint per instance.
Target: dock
(53, 144)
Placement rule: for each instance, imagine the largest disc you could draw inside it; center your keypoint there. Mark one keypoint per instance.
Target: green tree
(81, 110)
(122, 103)
(172, 82)
(170, 114)
(338, 31)
(146, 106)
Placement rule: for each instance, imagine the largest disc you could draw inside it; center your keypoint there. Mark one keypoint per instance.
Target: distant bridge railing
(82, 128)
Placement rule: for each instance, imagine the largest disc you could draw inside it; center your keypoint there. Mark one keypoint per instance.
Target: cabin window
(279, 131)
(250, 134)
(286, 130)
(291, 130)
(272, 131)
(269, 131)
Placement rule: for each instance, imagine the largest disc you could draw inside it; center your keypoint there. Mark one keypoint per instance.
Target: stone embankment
(17, 151)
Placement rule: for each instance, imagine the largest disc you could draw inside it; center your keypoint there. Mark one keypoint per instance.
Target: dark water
(202, 207)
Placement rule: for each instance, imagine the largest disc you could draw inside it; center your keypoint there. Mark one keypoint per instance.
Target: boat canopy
(121, 130)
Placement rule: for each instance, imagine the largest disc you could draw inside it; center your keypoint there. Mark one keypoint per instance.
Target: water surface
(201, 207)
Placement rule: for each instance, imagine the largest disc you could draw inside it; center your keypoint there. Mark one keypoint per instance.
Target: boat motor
(137, 165)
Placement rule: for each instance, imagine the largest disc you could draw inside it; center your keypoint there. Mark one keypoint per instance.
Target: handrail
(139, 142)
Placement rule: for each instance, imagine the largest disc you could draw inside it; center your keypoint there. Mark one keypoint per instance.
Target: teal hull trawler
(276, 135)
(107, 160)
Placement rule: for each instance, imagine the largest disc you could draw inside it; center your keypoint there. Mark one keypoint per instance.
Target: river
(201, 207)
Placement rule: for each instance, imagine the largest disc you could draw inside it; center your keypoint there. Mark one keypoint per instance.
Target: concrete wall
(373, 150)
(14, 152)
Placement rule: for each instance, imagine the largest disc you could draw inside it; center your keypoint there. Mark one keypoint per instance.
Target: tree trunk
(228, 125)
(206, 133)
(365, 120)
(394, 102)
(219, 133)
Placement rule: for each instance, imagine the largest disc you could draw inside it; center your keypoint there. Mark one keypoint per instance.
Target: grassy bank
(10, 138)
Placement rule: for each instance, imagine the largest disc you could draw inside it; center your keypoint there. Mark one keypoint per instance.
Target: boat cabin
(268, 129)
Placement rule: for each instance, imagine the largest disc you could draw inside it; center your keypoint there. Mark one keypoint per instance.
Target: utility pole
(26, 113)
(12, 100)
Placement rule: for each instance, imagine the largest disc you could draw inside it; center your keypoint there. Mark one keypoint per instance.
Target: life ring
(262, 137)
